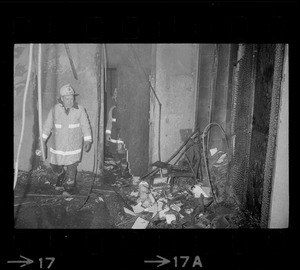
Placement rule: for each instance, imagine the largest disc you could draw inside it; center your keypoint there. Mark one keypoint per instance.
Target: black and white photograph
(151, 135)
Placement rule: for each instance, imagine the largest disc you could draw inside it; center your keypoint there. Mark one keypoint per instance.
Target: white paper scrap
(129, 211)
(206, 191)
(160, 180)
(197, 190)
(151, 198)
(159, 205)
(170, 218)
(175, 207)
(213, 151)
(162, 213)
(221, 159)
(134, 194)
(138, 208)
(140, 223)
(153, 208)
(154, 214)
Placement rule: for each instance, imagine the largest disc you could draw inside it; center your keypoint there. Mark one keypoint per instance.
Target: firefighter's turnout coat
(68, 132)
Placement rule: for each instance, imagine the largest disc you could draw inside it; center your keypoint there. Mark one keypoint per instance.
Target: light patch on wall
(21, 54)
(51, 65)
(89, 74)
(169, 137)
(181, 83)
(185, 69)
(64, 64)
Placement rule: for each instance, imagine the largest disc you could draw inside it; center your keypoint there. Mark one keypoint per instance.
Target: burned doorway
(127, 105)
(115, 152)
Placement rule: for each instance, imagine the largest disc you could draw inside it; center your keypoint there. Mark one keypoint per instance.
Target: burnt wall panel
(232, 66)
(240, 122)
(220, 100)
(206, 58)
(272, 136)
(260, 125)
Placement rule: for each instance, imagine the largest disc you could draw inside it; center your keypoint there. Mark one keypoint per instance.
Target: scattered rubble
(176, 198)
(177, 195)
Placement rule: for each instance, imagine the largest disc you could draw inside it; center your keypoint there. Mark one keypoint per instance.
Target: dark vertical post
(206, 58)
(232, 62)
(219, 110)
(271, 148)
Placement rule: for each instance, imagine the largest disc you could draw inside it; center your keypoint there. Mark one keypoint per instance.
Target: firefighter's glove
(44, 146)
(108, 138)
(39, 150)
(87, 146)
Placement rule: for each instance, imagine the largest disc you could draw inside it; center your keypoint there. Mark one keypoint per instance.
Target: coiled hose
(204, 153)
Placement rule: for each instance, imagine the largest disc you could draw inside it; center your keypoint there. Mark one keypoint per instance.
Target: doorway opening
(115, 152)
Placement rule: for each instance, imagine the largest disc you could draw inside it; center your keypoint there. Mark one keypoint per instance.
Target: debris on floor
(177, 195)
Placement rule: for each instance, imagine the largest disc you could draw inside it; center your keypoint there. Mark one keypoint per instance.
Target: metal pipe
(174, 155)
(40, 100)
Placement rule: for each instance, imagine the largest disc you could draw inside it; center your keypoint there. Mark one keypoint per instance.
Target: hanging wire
(96, 163)
(23, 114)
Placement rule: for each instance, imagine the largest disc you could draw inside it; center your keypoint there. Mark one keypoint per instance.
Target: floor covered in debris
(174, 199)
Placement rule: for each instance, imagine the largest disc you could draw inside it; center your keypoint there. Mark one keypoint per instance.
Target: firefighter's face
(68, 101)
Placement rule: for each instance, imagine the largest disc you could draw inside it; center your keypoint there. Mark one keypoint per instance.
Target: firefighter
(111, 129)
(69, 125)
(116, 145)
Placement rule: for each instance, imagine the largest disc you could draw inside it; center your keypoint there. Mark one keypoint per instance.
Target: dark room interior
(171, 136)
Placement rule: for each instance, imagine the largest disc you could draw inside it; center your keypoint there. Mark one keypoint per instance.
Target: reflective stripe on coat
(111, 127)
(68, 132)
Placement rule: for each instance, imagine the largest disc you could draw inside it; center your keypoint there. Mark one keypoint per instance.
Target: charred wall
(260, 125)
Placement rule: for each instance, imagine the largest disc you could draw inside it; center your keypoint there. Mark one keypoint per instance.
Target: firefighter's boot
(70, 184)
(59, 182)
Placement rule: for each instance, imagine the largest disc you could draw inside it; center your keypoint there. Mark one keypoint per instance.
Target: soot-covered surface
(38, 205)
